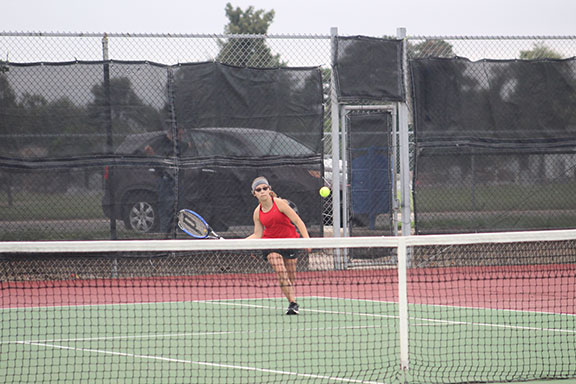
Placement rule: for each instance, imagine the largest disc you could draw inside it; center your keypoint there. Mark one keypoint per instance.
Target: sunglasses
(262, 189)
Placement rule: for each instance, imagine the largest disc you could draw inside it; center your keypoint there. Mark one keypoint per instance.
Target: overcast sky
(357, 17)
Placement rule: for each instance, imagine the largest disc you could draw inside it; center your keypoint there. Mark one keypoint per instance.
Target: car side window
(190, 149)
(210, 144)
(271, 143)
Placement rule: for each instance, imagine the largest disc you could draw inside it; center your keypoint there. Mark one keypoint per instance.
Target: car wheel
(141, 213)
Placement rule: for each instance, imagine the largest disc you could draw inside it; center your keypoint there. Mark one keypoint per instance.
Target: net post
(403, 304)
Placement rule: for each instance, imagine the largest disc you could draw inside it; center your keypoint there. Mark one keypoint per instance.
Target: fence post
(335, 120)
(403, 251)
(404, 150)
(109, 138)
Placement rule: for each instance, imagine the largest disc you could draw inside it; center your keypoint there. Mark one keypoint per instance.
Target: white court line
(305, 310)
(444, 322)
(450, 306)
(204, 363)
(276, 298)
(236, 302)
(212, 302)
(190, 334)
(491, 325)
(49, 307)
(125, 337)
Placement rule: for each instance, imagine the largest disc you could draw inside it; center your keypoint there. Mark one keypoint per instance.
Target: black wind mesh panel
(495, 144)
(97, 150)
(368, 68)
(281, 99)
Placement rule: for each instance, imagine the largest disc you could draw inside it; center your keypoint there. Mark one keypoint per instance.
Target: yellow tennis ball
(324, 191)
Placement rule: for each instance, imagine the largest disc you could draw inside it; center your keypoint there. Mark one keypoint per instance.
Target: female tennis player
(275, 219)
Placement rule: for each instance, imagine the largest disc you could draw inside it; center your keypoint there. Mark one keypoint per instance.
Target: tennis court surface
(449, 310)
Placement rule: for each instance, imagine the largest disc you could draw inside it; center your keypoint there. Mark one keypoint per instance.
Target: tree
(247, 51)
(430, 48)
(537, 99)
(540, 51)
(129, 113)
(7, 101)
(8, 107)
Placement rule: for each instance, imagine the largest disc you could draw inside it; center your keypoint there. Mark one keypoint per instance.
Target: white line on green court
(276, 298)
(416, 321)
(306, 310)
(126, 337)
(426, 321)
(190, 334)
(450, 306)
(204, 363)
(508, 326)
(444, 322)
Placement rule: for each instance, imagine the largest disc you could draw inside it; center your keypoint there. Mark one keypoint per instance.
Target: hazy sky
(358, 17)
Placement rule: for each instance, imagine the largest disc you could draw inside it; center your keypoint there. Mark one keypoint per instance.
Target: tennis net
(431, 309)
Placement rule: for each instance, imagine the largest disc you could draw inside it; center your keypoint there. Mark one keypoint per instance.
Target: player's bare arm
(285, 208)
(258, 228)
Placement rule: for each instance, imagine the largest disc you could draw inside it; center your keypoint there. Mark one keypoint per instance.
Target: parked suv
(215, 169)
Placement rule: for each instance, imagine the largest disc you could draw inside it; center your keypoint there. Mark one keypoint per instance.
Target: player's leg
(277, 262)
(290, 265)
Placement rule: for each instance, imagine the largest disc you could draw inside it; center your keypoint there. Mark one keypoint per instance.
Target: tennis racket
(195, 225)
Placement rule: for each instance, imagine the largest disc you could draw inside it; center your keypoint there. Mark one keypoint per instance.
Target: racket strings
(194, 225)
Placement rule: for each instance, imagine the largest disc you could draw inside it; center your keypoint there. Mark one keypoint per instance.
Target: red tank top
(276, 224)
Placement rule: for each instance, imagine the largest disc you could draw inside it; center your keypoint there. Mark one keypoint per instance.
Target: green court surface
(252, 341)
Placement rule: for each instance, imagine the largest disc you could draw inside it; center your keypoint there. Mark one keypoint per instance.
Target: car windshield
(270, 143)
(246, 142)
(135, 143)
(212, 143)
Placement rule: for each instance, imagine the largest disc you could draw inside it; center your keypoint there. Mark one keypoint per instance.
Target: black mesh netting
(85, 141)
(495, 144)
(368, 68)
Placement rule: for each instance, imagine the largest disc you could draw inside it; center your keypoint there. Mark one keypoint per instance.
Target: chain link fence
(48, 214)
(497, 154)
